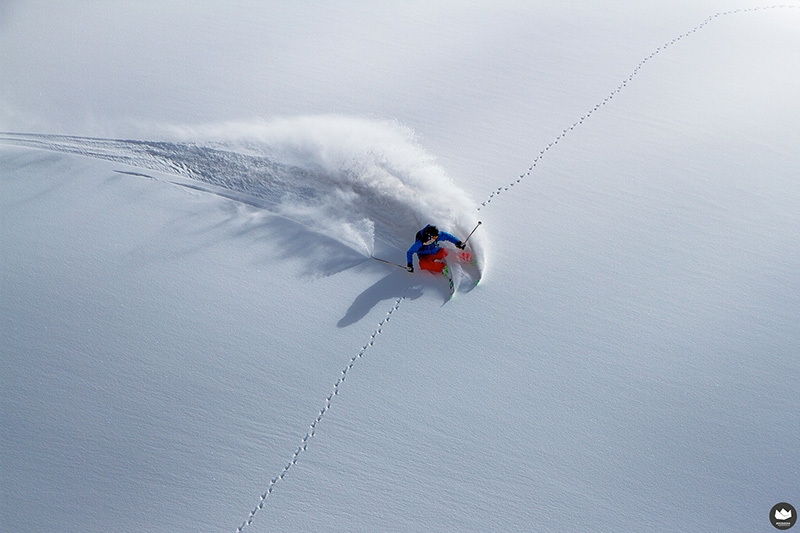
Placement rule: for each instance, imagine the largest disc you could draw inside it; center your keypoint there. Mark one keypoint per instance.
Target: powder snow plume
(364, 183)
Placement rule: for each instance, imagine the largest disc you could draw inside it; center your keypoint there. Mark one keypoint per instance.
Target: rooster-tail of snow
(367, 183)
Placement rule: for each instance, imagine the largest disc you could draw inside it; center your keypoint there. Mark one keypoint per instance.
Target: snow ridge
(313, 427)
(619, 88)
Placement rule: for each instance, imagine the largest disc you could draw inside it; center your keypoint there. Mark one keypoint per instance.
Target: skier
(426, 246)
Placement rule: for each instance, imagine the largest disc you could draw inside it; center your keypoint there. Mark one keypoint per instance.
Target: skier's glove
(460, 245)
(410, 267)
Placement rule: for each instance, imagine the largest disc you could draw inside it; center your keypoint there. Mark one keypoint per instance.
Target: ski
(449, 275)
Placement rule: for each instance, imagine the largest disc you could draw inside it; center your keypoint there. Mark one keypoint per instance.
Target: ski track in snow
(265, 182)
(365, 184)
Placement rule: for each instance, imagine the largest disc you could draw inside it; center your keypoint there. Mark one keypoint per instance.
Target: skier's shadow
(395, 285)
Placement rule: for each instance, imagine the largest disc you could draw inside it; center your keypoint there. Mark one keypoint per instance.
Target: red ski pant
(433, 262)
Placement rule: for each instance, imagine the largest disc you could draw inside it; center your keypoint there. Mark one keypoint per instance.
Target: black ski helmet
(428, 232)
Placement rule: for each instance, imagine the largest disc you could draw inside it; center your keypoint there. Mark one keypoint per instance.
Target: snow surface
(194, 337)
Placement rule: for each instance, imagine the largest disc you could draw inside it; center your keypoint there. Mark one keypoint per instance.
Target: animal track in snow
(619, 88)
(312, 431)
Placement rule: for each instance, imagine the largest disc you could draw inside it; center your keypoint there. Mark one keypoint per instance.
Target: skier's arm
(444, 236)
(410, 254)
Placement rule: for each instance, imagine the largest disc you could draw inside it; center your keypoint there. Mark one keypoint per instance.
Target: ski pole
(471, 232)
(389, 262)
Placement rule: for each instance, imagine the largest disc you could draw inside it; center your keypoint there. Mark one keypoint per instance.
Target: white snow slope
(194, 337)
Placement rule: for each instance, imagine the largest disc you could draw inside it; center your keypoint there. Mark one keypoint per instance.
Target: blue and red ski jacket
(420, 248)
